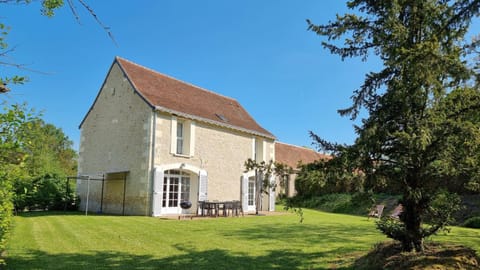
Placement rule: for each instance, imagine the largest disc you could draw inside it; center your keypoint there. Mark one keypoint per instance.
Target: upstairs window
(258, 150)
(183, 137)
(180, 149)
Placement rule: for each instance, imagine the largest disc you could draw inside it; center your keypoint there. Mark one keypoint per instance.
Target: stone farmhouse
(150, 141)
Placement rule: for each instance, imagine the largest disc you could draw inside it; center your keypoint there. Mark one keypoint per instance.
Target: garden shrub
(362, 202)
(336, 203)
(5, 214)
(48, 192)
(320, 178)
(358, 203)
(473, 222)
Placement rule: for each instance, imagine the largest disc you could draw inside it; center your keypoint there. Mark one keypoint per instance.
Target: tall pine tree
(409, 136)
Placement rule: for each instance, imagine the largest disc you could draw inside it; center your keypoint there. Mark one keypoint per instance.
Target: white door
(248, 193)
(176, 188)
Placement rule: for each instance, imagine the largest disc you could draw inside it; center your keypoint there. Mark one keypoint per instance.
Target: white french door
(176, 188)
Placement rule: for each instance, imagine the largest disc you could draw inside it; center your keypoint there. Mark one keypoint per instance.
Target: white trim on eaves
(209, 121)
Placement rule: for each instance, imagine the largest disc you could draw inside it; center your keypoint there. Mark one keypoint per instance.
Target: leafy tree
(328, 176)
(12, 122)
(263, 172)
(35, 157)
(411, 135)
(49, 161)
(50, 151)
(283, 171)
(45, 192)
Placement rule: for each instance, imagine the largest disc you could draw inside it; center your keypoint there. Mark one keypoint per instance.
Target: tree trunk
(412, 219)
(258, 192)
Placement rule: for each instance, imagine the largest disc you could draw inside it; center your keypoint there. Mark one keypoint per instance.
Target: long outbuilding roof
(292, 155)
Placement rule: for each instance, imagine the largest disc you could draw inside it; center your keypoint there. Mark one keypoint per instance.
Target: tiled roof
(174, 96)
(291, 155)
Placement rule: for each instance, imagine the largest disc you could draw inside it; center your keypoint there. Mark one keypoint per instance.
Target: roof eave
(213, 122)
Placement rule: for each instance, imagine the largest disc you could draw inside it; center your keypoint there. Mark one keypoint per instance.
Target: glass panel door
(173, 191)
(176, 188)
(185, 188)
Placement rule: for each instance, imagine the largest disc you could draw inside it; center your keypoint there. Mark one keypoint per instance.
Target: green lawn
(73, 241)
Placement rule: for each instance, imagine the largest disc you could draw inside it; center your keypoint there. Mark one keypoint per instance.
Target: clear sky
(258, 52)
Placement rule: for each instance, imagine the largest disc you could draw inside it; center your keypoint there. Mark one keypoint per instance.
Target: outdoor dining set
(219, 208)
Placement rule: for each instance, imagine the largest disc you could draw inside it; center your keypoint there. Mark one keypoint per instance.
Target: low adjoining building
(293, 156)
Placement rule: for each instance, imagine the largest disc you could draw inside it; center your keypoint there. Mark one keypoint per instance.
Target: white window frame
(186, 138)
(259, 149)
(183, 178)
(180, 149)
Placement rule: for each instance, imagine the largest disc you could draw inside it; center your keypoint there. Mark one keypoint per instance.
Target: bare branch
(71, 4)
(4, 53)
(92, 12)
(23, 67)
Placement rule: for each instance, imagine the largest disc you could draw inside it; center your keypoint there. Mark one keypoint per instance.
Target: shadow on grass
(190, 259)
(314, 234)
(29, 214)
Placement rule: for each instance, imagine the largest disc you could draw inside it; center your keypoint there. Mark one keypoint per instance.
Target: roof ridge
(175, 79)
(298, 146)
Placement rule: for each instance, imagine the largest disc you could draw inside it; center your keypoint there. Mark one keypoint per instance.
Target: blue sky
(258, 52)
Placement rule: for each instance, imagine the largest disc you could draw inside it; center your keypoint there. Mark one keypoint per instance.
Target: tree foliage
(325, 177)
(35, 158)
(263, 174)
(416, 133)
(50, 150)
(45, 192)
(49, 161)
(12, 122)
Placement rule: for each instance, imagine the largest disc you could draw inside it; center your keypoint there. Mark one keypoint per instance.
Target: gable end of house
(125, 76)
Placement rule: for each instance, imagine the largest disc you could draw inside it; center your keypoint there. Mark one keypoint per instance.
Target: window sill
(181, 155)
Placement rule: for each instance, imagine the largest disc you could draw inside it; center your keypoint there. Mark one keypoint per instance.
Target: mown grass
(73, 241)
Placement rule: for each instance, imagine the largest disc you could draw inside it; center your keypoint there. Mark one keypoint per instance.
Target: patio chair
(376, 211)
(237, 208)
(227, 208)
(211, 208)
(397, 212)
(201, 208)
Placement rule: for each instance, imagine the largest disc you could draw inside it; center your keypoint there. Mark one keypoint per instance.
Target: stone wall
(220, 151)
(115, 137)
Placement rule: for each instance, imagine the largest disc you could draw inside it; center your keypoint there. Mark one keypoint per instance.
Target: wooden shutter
(192, 139)
(202, 185)
(271, 194)
(157, 191)
(173, 136)
(244, 192)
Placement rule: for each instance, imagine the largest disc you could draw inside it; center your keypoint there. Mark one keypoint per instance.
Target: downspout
(152, 165)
